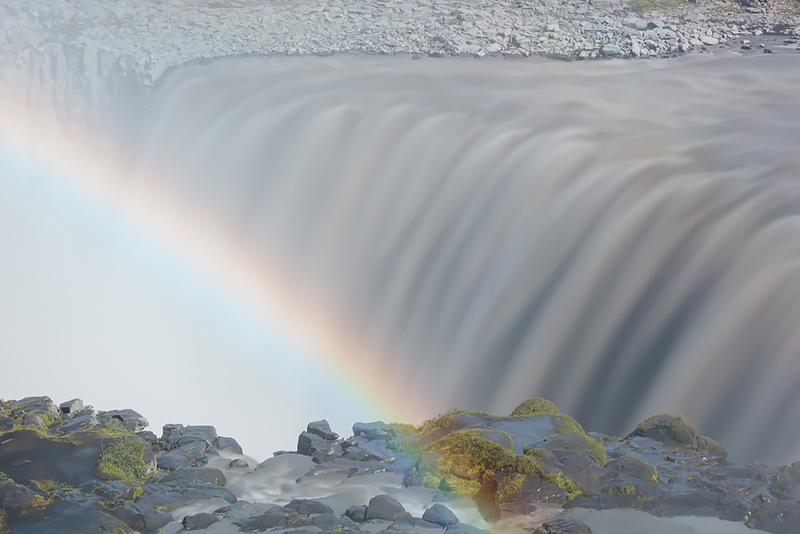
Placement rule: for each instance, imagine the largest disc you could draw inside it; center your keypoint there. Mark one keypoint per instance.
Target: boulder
(195, 475)
(322, 429)
(12, 495)
(357, 513)
(6, 423)
(372, 431)
(261, 522)
(327, 453)
(441, 515)
(307, 507)
(80, 421)
(71, 407)
(238, 462)
(132, 420)
(116, 490)
(308, 443)
(33, 404)
(199, 521)
(229, 444)
(142, 518)
(384, 507)
(32, 419)
(193, 454)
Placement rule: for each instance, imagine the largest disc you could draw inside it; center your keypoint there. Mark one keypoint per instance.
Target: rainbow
(256, 287)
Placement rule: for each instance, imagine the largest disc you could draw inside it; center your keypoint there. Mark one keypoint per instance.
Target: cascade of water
(620, 238)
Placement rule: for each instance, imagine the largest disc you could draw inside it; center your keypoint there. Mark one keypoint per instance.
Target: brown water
(619, 236)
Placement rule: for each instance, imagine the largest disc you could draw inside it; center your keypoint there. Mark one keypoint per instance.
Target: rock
(142, 518)
(326, 454)
(132, 421)
(32, 419)
(357, 513)
(177, 436)
(322, 429)
(307, 507)
(708, 40)
(199, 521)
(264, 521)
(6, 423)
(308, 443)
(384, 507)
(440, 515)
(116, 490)
(563, 526)
(374, 431)
(229, 444)
(238, 462)
(194, 454)
(12, 496)
(71, 407)
(195, 475)
(80, 421)
(33, 404)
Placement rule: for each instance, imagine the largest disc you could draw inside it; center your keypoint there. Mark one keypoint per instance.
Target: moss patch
(535, 406)
(4, 477)
(49, 486)
(787, 476)
(124, 459)
(444, 420)
(620, 489)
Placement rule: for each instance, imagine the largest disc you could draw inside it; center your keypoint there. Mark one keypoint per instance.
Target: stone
(6, 422)
(357, 513)
(12, 496)
(238, 462)
(708, 40)
(327, 453)
(441, 515)
(33, 404)
(308, 443)
(32, 419)
(229, 444)
(116, 490)
(322, 429)
(563, 526)
(71, 407)
(195, 475)
(377, 430)
(194, 454)
(132, 421)
(307, 507)
(80, 421)
(264, 521)
(199, 521)
(384, 507)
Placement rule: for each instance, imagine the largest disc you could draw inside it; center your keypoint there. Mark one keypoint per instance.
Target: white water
(620, 237)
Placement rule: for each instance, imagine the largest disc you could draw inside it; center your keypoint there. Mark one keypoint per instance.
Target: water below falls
(621, 237)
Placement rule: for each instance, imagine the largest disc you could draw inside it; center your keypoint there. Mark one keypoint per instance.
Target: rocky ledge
(68, 469)
(91, 38)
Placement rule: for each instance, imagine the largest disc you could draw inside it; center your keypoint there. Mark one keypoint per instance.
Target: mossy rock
(675, 430)
(535, 406)
(787, 484)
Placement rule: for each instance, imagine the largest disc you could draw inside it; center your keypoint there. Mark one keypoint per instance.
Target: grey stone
(194, 454)
(357, 513)
(71, 407)
(33, 404)
(377, 430)
(195, 475)
(307, 507)
(80, 421)
(199, 521)
(132, 420)
(229, 444)
(6, 422)
(12, 496)
(322, 429)
(308, 443)
(440, 515)
(384, 507)
(238, 462)
(32, 419)
(116, 490)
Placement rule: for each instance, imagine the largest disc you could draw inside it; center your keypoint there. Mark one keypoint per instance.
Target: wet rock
(357, 513)
(12, 496)
(262, 522)
(441, 515)
(238, 462)
(116, 490)
(307, 507)
(374, 431)
(195, 475)
(199, 521)
(322, 429)
(327, 453)
(194, 454)
(142, 517)
(177, 436)
(384, 507)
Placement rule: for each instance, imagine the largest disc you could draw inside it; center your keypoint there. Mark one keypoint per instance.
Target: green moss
(677, 426)
(535, 406)
(114, 426)
(49, 486)
(534, 452)
(443, 421)
(620, 489)
(565, 483)
(706, 443)
(4, 477)
(407, 428)
(4, 528)
(787, 476)
(124, 459)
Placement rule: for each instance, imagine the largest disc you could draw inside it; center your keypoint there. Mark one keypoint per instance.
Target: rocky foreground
(68, 469)
(91, 37)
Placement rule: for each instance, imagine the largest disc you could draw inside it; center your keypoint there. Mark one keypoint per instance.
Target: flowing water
(620, 237)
